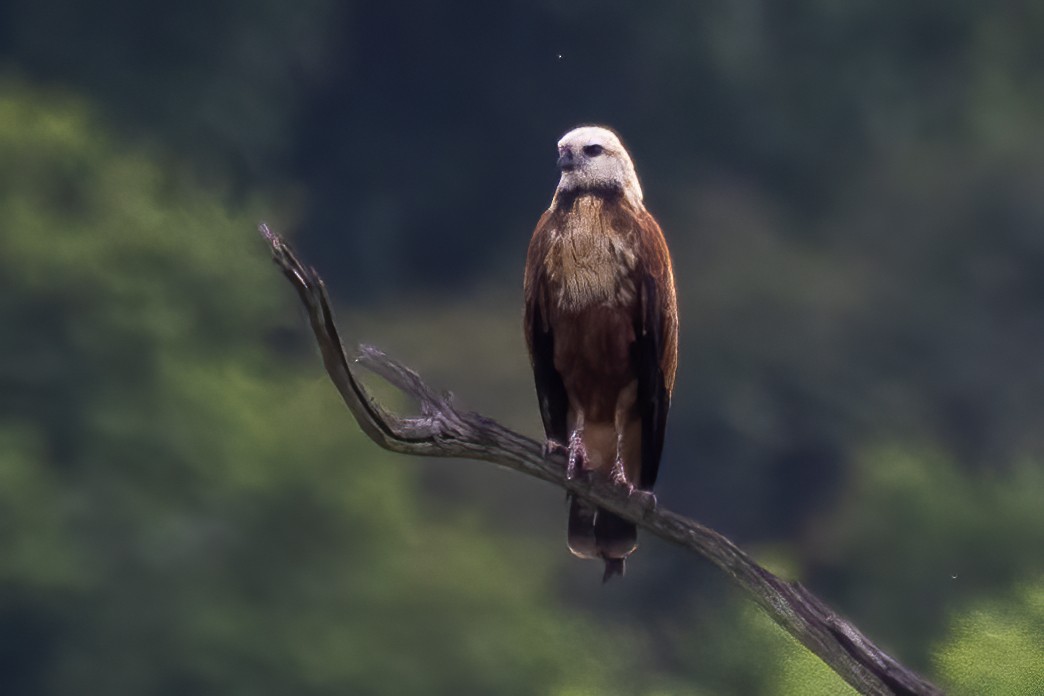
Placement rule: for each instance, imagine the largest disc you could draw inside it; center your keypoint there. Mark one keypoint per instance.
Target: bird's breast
(590, 264)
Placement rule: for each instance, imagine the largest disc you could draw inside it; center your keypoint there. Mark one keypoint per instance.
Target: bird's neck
(610, 192)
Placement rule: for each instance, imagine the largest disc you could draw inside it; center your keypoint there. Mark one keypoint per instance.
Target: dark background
(852, 195)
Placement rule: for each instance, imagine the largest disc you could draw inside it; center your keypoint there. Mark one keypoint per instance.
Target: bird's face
(592, 159)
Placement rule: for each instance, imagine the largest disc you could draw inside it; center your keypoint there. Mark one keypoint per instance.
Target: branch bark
(441, 430)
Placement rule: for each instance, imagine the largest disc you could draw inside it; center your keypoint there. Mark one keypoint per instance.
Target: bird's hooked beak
(566, 162)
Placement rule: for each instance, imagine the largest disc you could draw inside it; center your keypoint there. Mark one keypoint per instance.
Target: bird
(601, 326)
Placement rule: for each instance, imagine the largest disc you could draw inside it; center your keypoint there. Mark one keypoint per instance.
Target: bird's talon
(552, 446)
(647, 498)
(618, 477)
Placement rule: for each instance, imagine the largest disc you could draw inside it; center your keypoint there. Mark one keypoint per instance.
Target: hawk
(601, 325)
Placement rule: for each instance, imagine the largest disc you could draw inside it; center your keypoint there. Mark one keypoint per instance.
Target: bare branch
(444, 431)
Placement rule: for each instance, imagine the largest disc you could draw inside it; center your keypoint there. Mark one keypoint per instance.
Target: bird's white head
(592, 158)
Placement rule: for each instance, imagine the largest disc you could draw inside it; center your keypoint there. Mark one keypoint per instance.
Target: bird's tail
(598, 534)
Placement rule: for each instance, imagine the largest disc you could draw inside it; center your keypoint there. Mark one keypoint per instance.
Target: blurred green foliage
(995, 647)
(913, 526)
(852, 197)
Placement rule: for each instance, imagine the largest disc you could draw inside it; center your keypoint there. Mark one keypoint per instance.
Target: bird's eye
(593, 150)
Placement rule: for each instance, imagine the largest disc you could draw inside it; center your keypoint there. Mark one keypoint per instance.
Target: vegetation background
(853, 195)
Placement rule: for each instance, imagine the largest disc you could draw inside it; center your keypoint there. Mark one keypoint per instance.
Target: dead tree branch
(441, 430)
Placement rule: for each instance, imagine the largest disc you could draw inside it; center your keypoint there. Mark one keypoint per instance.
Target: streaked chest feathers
(589, 262)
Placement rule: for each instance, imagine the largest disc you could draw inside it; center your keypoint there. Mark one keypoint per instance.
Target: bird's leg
(617, 474)
(577, 451)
